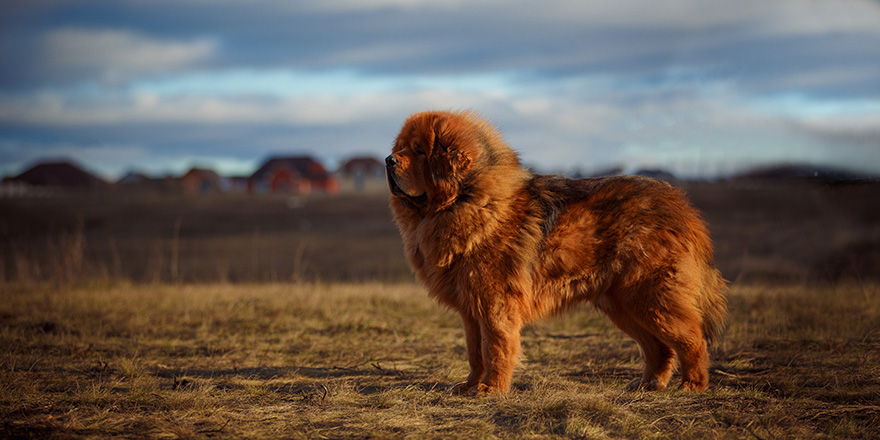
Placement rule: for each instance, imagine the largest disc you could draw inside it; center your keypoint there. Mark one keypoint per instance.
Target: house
(133, 178)
(202, 181)
(134, 181)
(238, 184)
(295, 175)
(58, 176)
(361, 174)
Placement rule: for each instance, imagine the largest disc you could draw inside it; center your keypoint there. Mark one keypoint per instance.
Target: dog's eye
(420, 153)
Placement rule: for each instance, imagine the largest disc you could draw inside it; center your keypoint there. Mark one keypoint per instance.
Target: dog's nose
(391, 161)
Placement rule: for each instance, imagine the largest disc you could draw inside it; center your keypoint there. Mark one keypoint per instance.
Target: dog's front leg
(500, 332)
(473, 338)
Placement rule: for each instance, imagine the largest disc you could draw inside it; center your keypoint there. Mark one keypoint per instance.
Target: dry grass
(104, 331)
(220, 238)
(768, 233)
(376, 360)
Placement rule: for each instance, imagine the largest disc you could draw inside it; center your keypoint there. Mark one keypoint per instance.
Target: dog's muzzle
(391, 163)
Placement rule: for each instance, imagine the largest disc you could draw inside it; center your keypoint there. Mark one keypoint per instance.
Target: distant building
(295, 175)
(361, 174)
(57, 176)
(238, 184)
(10, 188)
(133, 178)
(136, 181)
(202, 181)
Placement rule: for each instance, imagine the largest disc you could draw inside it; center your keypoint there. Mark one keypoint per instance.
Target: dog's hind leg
(679, 327)
(690, 345)
(659, 357)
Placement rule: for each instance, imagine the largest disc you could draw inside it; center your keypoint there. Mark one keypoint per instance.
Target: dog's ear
(449, 159)
(440, 141)
(438, 132)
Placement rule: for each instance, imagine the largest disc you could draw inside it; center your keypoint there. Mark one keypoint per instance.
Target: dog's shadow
(303, 381)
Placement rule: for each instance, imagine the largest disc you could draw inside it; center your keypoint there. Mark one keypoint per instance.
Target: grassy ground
(376, 360)
(780, 233)
(138, 315)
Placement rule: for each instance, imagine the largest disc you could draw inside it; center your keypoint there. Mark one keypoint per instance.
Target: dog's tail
(713, 304)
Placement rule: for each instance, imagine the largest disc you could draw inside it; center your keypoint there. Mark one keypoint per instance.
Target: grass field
(787, 234)
(274, 317)
(377, 360)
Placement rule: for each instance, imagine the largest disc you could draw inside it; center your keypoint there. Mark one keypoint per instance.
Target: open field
(783, 233)
(376, 361)
(225, 238)
(135, 315)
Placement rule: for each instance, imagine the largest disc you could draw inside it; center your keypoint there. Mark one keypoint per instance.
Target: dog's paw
(484, 390)
(694, 386)
(639, 384)
(462, 389)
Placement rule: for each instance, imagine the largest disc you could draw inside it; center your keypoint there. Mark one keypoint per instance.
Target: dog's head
(432, 157)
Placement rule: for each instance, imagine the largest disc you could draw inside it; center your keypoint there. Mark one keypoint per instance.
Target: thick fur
(503, 246)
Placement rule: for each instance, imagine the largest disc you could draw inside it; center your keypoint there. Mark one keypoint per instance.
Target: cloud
(806, 17)
(112, 161)
(369, 5)
(260, 98)
(589, 122)
(761, 44)
(17, 155)
(596, 83)
(113, 54)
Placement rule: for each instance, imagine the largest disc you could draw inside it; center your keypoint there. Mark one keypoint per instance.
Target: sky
(696, 87)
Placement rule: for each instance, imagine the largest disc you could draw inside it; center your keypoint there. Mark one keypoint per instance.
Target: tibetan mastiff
(503, 246)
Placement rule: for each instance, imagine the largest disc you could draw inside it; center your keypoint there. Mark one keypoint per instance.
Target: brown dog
(503, 246)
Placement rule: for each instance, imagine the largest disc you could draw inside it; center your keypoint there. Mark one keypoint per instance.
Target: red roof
(305, 167)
